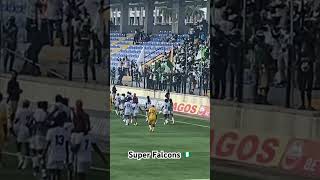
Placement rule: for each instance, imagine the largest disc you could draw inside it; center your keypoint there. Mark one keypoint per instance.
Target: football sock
(25, 162)
(35, 162)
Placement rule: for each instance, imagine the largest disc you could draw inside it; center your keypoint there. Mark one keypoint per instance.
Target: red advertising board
(302, 157)
(185, 108)
(248, 148)
(194, 109)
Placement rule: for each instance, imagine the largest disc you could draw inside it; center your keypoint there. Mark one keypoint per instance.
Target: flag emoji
(187, 154)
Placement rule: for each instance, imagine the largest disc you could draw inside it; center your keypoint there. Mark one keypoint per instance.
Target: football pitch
(186, 135)
(10, 171)
(99, 170)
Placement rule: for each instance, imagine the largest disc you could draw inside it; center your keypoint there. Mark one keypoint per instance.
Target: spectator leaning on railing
(268, 32)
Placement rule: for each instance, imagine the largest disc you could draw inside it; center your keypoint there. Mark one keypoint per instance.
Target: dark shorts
(305, 81)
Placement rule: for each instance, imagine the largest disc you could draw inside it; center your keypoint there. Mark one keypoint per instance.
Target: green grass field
(187, 135)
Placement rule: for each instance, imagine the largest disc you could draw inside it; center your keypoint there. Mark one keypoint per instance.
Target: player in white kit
(57, 149)
(117, 103)
(21, 131)
(38, 137)
(135, 111)
(69, 126)
(82, 145)
(127, 111)
(166, 111)
(121, 105)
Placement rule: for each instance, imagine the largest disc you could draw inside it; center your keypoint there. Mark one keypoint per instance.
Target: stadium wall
(183, 103)
(245, 137)
(36, 89)
(263, 119)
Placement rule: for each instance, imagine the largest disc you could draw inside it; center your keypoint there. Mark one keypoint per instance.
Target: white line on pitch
(93, 168)
(193, 125)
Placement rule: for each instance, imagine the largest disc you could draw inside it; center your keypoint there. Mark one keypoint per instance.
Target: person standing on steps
(10, 43)
(87, 51)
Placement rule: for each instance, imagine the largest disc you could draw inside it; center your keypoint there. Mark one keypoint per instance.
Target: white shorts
(38, 142)
(83, 167)
(22, 133)
(55, 165)
(74, 137)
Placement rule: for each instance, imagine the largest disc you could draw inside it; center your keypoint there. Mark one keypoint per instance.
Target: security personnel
(10, 39)
(87, 51)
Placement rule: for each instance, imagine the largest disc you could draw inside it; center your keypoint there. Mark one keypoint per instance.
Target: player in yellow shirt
(3, 125)
(152, 118)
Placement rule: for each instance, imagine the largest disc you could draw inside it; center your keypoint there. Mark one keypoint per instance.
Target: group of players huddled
(56, 138)
(128, 108)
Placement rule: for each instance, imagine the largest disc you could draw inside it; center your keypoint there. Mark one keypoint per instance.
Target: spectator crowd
(185, 69)
(273, 45)
(81, 25)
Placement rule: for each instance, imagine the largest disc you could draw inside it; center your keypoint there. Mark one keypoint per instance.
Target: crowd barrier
(266, 119)
(183, 103)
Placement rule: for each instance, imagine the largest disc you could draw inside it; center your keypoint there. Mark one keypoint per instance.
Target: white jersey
(127, 108)
(135, 109)
(38, 139)
(117, 101)
(85, 147)
(23, 117)
(121, 105)
(166, 108)
(39, 115)
(58, 138)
